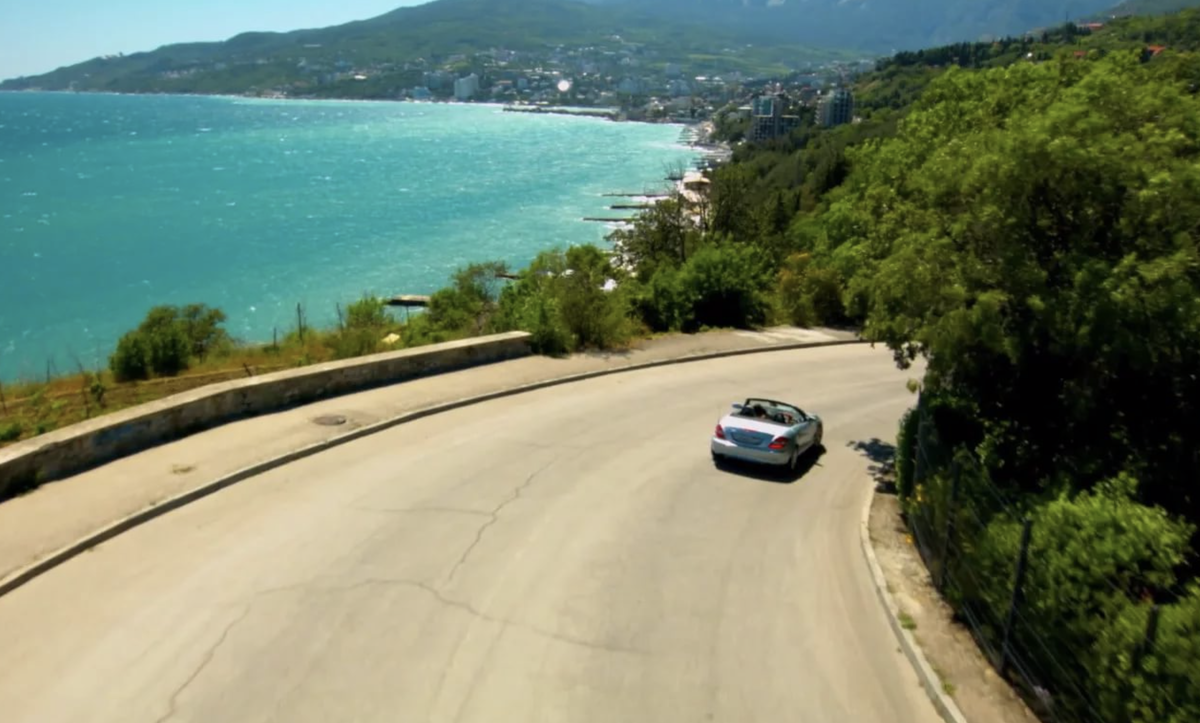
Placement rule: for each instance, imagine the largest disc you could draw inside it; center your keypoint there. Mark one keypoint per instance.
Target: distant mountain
(756, 37)
(1148, 7)
(876, 26)
(398, 41)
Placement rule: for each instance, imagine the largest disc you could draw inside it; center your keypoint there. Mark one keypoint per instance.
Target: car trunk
(752, 432)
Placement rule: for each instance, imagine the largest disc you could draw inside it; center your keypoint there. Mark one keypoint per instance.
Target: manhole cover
(330, 420)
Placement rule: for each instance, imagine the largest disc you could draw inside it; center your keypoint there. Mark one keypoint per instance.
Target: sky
(37, 36)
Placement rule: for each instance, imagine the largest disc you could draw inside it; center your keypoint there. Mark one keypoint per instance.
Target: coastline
(598, 112)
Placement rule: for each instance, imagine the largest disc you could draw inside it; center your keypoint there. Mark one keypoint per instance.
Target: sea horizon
(111, 203)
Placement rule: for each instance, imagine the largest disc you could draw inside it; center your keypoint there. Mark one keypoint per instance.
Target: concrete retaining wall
(72, 449)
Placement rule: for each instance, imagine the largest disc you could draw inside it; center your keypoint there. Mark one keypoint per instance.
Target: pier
(407, 300)
(608, 113)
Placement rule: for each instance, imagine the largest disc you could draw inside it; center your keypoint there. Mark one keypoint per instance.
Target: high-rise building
(765, 112)
(836, 107)
(767, 120)
(465, 88)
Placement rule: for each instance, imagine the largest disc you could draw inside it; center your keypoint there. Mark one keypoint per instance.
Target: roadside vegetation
(1025, 218)
(1023, 215)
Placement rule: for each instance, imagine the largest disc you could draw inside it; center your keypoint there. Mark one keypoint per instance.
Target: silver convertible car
(767, 432)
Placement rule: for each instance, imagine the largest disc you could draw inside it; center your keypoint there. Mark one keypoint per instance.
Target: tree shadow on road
(883, 457)
(778, 475)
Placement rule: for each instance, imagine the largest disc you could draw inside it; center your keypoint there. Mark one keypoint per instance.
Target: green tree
(727, 285)
(131, 359)
(1094, 557)
(1034, 237)
(571, 299)
(202, 326)
(664, 234)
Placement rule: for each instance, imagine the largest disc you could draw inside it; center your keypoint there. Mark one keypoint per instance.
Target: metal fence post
(1148, 639)
(919, 462)
(951, 507)
(1145, 645)
(1018, 583)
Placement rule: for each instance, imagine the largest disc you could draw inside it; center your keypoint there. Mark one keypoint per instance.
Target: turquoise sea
(111, 204)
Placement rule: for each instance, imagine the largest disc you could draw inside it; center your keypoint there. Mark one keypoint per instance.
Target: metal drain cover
(330, 420)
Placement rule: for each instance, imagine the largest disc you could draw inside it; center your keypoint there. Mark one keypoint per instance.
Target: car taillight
(720, 432)
(777, 443)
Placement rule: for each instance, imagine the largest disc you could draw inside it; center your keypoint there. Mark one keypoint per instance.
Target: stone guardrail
(87, 444)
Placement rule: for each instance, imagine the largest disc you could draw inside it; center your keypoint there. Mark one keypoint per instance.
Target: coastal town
(626, 86)
(614, 79)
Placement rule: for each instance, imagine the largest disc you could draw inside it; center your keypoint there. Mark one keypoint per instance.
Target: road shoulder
(962, 683)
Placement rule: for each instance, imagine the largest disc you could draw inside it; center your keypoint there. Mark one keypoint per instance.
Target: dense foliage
(168, 340)
(878, 27)
(1031, 231)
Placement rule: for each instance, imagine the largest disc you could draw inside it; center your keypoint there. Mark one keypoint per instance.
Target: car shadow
(883, 462)
(777, 475)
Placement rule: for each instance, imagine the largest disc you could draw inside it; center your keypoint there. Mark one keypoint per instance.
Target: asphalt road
(564, 555)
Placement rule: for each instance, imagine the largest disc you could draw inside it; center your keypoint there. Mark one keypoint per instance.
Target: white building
(466, 88)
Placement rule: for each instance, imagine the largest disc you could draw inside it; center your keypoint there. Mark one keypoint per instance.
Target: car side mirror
(737, 407)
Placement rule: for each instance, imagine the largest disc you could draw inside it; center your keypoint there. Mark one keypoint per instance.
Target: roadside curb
(40, 567)
(945, 705)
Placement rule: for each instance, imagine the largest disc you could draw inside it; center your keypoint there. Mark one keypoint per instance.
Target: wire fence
(975, 541)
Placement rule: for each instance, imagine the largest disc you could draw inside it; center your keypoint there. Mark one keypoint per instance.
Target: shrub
(726, 284)
(367, 313)
(166, 341)
(1091, 558)
(540, 316)
(596, 318)
(167, 345)
(810, 295)
(906, 453)
(361, 332)
(131, 360)
(467, 306)
(561, 300)
(1161, 688)
(202, 327)
(349, 343)
(11, 431)
(662, 302)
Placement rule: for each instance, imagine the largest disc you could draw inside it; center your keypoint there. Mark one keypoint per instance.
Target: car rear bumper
(729, 450)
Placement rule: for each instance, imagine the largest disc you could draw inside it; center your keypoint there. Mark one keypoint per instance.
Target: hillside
(393, 49)
(1148, 7)
(875, 27)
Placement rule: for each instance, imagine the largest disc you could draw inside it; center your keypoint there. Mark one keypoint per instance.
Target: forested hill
(395, 48)
(1146, 7)
(871, 26)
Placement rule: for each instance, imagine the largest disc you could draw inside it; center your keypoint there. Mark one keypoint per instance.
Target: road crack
(466, 607)
(423, 510)
(494, 516)
(173, 701)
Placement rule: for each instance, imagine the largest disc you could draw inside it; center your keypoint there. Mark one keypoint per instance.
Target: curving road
(564, 555)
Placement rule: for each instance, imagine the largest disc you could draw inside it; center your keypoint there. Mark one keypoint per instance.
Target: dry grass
(28, 409)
